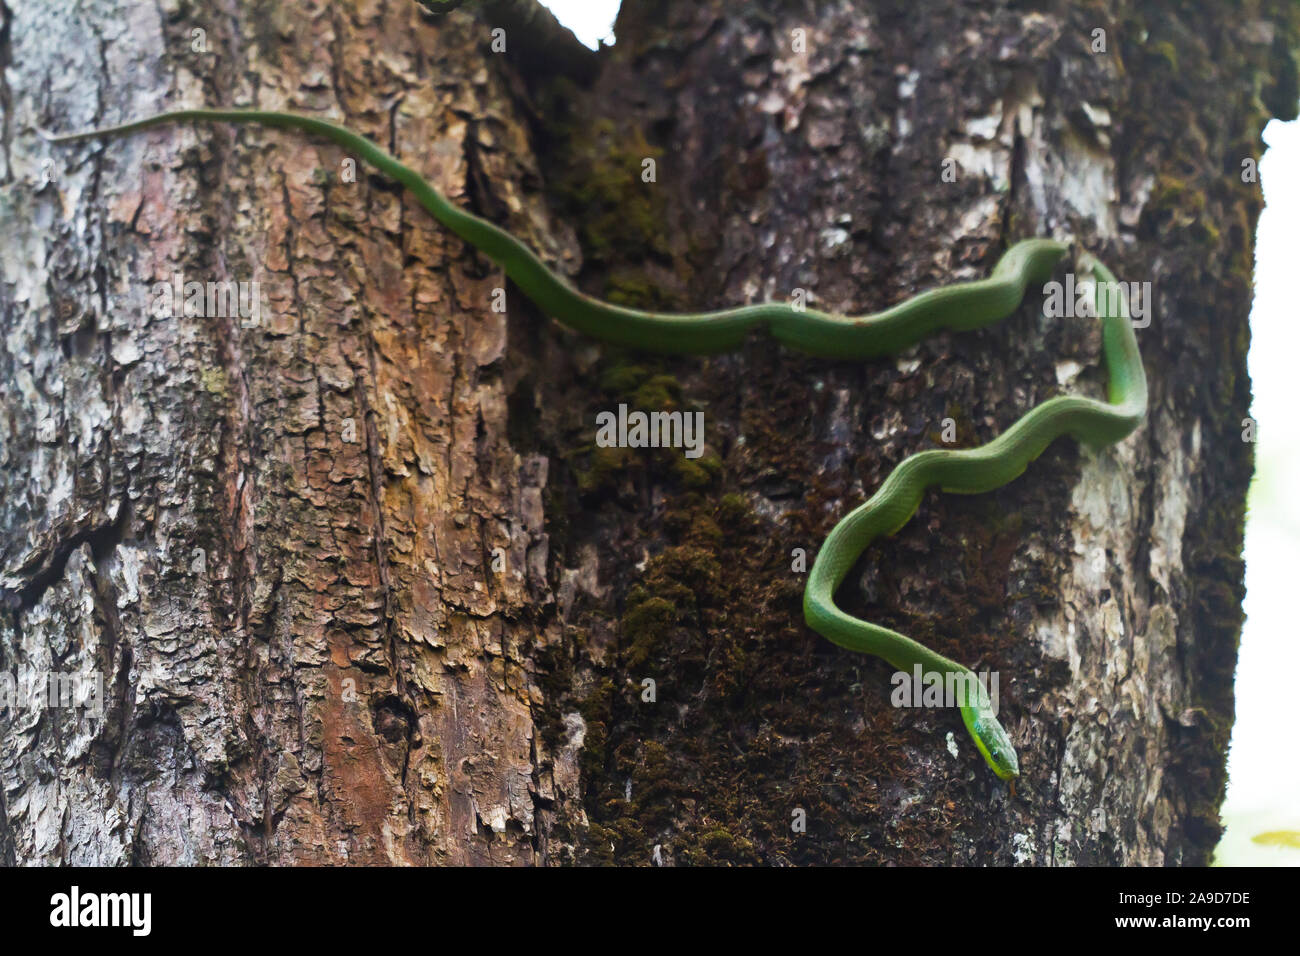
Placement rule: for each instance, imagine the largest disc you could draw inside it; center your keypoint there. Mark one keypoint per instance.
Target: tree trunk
(354, 578)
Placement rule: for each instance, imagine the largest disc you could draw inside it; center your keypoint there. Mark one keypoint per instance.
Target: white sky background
(590, 20)
(1264, 772)
(1263, 769)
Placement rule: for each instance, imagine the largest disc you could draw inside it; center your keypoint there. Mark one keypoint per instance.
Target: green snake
(964, 305)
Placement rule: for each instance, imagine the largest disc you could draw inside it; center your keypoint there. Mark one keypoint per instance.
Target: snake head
(992, 740)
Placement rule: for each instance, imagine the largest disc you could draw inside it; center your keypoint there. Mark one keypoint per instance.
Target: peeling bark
(358, 584)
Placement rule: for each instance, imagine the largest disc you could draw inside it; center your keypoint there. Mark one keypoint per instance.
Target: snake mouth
(992, 741)
(1002, 762)
(1011, 775)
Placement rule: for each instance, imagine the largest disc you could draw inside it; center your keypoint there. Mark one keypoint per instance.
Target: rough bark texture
(276, 540)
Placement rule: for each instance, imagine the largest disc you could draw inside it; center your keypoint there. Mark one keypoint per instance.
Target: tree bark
(360, 586)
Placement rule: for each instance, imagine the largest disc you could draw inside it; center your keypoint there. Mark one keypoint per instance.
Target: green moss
(1172, 192)
(633, 288)
(597, 703)
(1206, 232)
(596, 709)
(966, 436)
(643, 389)
(214, 380)
(643, 628)
(1186, 207)
(619, 213)
(721, 846)
(659, 393)
(696, 473)
(703, 531)
(1281, 96)
(1165, 52)
(623, 223)
(601, 845)
(606, 465)
(623, 379)
(733, 510)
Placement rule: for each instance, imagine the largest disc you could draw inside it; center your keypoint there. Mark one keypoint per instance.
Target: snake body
(960, 306)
